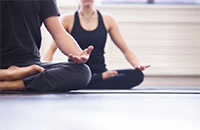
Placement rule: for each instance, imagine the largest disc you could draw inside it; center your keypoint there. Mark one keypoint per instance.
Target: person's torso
(20, 30)
(96, 38)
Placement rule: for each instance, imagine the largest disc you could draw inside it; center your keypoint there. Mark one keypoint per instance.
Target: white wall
(165, 36)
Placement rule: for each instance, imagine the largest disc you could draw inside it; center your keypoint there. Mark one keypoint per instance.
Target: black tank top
(96, 37)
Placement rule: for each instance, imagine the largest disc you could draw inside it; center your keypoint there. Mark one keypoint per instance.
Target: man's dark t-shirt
(20, 30)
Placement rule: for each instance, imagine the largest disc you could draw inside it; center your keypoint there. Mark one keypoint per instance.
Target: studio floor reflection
(102, 110)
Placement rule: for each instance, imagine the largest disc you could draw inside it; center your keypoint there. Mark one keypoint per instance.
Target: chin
(88, 1)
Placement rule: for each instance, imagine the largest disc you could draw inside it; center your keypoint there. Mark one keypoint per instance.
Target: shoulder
(108, 20)
(67, 20)
(107, 16)
(67, 17)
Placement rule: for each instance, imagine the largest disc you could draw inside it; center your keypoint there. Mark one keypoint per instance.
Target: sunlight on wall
(174, 37)
(74, 2)
(67, 2)
(100, 2)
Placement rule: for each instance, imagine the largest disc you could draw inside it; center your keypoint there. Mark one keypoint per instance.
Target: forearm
(64, 41)
(49, 54)
(67, 44)
(131, 58)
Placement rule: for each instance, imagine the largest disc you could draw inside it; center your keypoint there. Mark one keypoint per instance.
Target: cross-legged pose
(11, 78)
(14, 72)
(89, 27)
(21, 40)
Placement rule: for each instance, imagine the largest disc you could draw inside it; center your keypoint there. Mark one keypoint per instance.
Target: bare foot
(12, 85)
(109, 74)
(14, 72)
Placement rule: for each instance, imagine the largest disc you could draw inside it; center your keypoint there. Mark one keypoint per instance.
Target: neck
(87, 10)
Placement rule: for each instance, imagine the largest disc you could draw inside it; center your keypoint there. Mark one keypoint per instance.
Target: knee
(139, 77)
(64, 78)
(84, 75)
(79, 76)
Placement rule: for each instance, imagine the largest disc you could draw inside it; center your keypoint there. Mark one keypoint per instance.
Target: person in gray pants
(20, 42)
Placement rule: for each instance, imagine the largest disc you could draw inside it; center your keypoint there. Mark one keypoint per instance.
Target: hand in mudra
(108, 74)
(83, 57)
(142, 67)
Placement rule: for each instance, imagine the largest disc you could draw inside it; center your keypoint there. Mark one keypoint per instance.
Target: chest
(90, 23)
(23, 7)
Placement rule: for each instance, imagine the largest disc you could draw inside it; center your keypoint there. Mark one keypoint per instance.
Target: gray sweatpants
(59, 77)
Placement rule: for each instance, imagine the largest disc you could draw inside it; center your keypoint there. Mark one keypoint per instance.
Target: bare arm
(49, 54)
(121, 44)
(65, 42)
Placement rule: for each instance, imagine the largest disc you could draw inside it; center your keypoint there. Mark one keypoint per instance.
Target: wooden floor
(137, 109)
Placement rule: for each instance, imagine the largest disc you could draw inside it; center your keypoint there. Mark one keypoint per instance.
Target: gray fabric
(59, 77)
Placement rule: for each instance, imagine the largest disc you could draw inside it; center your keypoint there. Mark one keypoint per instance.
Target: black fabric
(20, 43)
(125, 79)
(59, 77)
(20, 30)
(96, 37)
(97, 77)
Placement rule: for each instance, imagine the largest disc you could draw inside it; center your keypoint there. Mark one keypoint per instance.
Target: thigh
(59, 77)
(50, 65)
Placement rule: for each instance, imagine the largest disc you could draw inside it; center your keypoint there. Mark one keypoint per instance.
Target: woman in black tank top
(89, 27)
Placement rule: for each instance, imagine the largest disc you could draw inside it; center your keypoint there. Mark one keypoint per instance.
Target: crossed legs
(11, 78)
(125, 79)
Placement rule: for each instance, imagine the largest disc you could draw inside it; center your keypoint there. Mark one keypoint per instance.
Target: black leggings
(125, 79)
